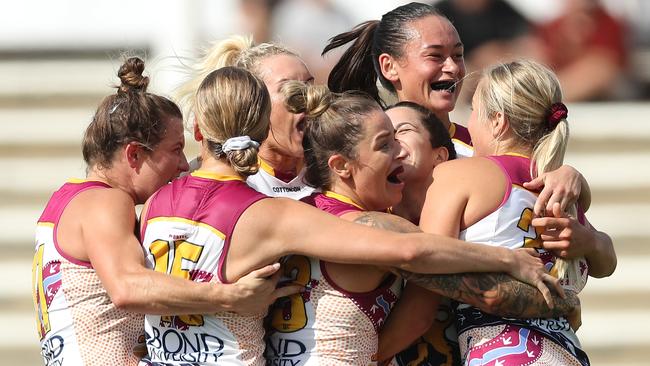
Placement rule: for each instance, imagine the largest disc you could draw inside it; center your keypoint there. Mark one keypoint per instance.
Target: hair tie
(238, 143)
(558, 113)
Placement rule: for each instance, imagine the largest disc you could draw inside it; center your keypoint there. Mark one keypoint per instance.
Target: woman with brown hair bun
(89, 280)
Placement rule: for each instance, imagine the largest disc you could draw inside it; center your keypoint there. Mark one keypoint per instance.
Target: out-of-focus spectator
(302, 25)
(257, 15)
(587, 48)
(491, 31)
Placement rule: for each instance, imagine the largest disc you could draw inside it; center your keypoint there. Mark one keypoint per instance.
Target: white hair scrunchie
(238, 143)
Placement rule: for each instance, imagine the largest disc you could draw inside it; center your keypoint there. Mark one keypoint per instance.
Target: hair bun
(130, 75)
(313, 100)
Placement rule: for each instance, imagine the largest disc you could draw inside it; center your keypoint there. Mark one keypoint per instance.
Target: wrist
(507, 260)
(224, 296)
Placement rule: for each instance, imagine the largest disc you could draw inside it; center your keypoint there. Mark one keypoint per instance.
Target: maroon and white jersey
(462, 140)
(488, 339)
(76, 320)
(327, 325)
(186, 233)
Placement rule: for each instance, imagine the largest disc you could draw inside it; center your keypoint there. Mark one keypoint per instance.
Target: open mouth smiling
(444, 85)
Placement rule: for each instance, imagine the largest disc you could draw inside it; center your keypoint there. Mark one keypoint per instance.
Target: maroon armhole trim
(377, 291)
(226, 245)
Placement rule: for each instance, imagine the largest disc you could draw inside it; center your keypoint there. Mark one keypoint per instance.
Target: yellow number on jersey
(178, 250)
(38, 292)
(291, 317)
(524, 224)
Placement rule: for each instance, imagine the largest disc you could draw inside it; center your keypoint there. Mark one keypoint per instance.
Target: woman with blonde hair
(210, 226)
(519, 128)
(280, 154)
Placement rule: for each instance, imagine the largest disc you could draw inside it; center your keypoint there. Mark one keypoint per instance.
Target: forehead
(403, 114)
(282, 67)
(479, 87)
(376, 122)
(432, 31)
(174, 130)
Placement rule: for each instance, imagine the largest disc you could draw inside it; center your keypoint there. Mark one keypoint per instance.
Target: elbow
(603, 261)
(123, 299)
(408, 255)
(605, 270)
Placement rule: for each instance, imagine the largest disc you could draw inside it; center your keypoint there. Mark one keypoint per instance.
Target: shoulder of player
(386, 221)
(466, 166)
(107, 200)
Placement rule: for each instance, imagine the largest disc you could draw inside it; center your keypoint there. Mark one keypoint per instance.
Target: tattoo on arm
(494, 293)
(386, 221)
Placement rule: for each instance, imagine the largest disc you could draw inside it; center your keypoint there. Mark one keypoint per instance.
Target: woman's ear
(499, 125)
(387, 65)
(198, 136)
(134, 154)
(339, 165)
(440, 155)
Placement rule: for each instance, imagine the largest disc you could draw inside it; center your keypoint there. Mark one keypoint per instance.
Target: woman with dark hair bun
(90, 284)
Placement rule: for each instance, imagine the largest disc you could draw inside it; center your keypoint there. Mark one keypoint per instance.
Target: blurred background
(58, 58)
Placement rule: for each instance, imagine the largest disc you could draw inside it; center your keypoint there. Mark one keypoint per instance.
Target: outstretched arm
(494, 293)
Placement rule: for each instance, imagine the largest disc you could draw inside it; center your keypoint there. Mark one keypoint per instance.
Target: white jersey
(325, 324)
(266, 181)
(187, 233)
(76, 320)
(481, 335)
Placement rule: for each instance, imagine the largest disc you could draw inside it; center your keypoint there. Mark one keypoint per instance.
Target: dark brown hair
(438, 133)
(358, 68)
(334, 124)
(130, 115)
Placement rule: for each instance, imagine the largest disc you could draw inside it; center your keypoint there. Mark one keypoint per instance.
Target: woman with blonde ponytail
(210, 226)
(280, 153)
(519, 128)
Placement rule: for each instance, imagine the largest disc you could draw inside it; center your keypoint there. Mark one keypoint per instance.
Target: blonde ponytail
(221, 54)
(232, 103)
(529, 94)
